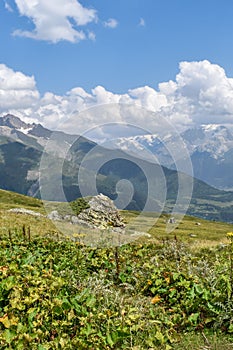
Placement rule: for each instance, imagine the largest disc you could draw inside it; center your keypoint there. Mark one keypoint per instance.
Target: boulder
(102, 213)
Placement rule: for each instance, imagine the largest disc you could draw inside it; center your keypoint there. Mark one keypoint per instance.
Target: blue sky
(120, 46)
(129, 55)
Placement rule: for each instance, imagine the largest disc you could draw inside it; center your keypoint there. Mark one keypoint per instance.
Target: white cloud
(55, 20)
(111, 23)
(200, 94)
(142, 22)
(16, 89)
(203, 91)
(91, 36)
(8, 7)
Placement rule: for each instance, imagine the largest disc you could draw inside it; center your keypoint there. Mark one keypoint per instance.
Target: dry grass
(198, 233)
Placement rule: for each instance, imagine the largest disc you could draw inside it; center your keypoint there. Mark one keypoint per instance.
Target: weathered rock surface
(24, 211)
(54, 215)
(101, 214)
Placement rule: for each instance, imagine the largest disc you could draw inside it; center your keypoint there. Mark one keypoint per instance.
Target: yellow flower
(8, 322)
(149, 282)
(230, 234)
(155, 300)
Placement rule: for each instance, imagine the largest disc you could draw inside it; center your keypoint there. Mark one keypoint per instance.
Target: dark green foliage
(57, 294)
(79, 205)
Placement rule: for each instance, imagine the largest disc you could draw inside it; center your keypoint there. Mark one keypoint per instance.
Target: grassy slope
(10, 199)
(10, 220)
(194, 231)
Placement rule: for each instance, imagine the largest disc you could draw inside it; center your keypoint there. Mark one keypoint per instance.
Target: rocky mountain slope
(210, 148)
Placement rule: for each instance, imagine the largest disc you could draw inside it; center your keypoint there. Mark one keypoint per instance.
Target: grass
(196, 232)
(204, 341)
(10, 200)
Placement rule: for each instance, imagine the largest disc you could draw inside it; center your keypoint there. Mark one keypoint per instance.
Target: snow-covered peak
(13, 122)
(25, 130)
(214, 139)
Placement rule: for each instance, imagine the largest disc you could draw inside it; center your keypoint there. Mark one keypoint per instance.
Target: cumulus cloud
(200, 94)
(203, 91)
(16, 89)
(55, 20)
(111, 23)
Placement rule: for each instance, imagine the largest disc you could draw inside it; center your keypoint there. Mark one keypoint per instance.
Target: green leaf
(198, 288)
(32, 313)
(109, 340)
(230, 329)
(9, 283)
(160, 337)
(40, 347)
(91, 301)
(66, 304)
(8, 335)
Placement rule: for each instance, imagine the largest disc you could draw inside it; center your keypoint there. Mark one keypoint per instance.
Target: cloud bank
(200, 94)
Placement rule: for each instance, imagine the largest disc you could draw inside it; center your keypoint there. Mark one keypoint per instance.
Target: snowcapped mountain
(34, 135)
(210, 148)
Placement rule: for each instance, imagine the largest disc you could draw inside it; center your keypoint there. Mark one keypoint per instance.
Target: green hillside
(10, 199)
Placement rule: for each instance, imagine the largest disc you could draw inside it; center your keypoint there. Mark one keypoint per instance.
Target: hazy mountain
(22, 146)
(210, 148)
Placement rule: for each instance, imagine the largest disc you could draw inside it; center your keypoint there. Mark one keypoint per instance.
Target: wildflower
(156, 299)
(230, 234)
(149, 282)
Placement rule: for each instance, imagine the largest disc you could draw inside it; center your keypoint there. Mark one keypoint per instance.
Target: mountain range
(35, 160)
(210, 148)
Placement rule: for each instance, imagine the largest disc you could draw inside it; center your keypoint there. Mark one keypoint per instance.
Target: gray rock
(102, 213)
(24, 211)
(54, 215)
(171, 221)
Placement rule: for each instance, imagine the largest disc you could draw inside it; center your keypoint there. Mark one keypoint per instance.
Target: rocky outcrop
(102, 213)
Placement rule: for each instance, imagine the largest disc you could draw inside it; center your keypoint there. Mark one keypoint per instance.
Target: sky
(172, 57)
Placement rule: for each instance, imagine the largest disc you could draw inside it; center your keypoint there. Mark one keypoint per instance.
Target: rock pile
(102, 213)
